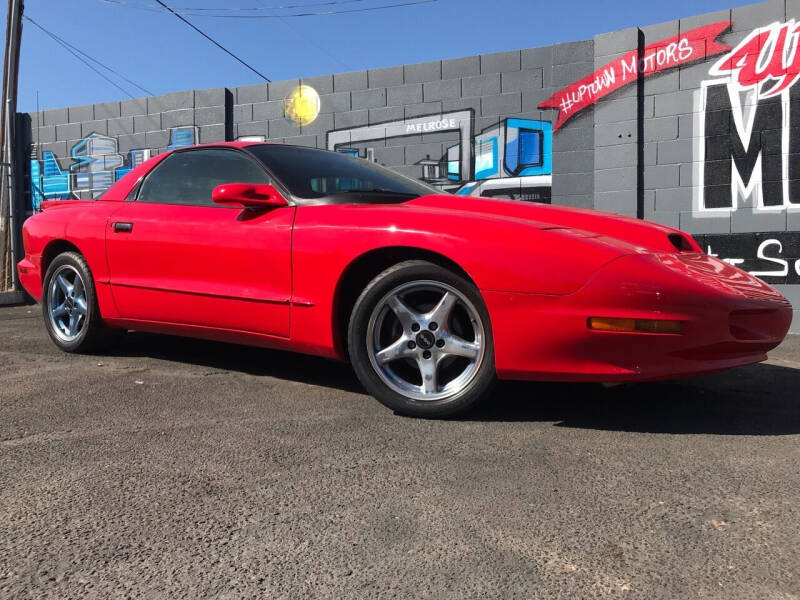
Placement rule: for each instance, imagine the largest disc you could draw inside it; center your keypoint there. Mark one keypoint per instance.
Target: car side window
(189, 177)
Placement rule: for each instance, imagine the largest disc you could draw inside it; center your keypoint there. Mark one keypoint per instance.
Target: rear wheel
(69, 306)
(421, 342)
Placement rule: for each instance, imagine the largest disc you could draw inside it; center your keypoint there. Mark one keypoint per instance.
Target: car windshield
(311, 174)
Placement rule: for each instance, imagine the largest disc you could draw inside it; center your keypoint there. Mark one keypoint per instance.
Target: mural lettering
(774, 257)
(428, 126)
(693, 45)
(767, 60)
(748, 142)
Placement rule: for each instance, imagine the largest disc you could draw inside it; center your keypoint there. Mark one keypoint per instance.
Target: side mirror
(247, 195)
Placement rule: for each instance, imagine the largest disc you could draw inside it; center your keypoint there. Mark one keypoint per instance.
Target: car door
(176, 257)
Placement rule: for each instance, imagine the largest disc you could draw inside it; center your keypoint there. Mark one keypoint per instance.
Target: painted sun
(302, 105)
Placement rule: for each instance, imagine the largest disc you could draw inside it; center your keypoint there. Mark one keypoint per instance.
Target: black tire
(94, 334)
(360, 342)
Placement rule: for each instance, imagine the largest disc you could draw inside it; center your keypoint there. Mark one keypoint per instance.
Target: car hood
(642, 235)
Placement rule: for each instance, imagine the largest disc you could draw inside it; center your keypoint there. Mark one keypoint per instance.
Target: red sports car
(430, 296)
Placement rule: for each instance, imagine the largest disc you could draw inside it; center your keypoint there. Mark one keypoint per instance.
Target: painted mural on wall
(772, 256)
(726, 115)
(95, 165)
(683, 49)
(748, 148)
(746, 134)
(512, 159)
(302, 105)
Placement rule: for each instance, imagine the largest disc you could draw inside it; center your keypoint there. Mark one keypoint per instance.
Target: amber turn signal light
(634, 325)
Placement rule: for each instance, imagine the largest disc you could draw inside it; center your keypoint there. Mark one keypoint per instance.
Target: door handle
(123, 227)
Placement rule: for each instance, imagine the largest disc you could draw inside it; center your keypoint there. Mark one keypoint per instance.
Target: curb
(13, 298)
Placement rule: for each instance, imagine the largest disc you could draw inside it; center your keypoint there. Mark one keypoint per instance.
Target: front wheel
(69, 306)
(421, 342)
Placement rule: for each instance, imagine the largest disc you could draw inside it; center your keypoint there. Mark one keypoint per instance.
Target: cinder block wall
(134, 124)
(673, 115)
(490, 88)
(650, 149)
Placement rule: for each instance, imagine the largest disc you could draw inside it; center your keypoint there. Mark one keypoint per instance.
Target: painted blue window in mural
(181, 137)
(453, 170)
(530, 147)
(37, 193)
(137, 158)
(453, 159)
(55, 182)
(486, 158)
(523, 149)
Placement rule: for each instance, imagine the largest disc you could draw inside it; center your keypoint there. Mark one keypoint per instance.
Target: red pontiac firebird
(430, 296)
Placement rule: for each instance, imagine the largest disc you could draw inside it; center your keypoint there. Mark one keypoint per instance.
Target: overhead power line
(196, 12)
(267, 8)
(80, 58)
(213, 41)
(322, 13)
(310, 40)
(73, 50)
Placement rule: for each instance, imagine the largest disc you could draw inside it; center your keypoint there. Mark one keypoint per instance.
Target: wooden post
(8, 111)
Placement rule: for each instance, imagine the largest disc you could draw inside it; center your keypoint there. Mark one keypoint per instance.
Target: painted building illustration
(357, 141)
(96, 164)
(512, 159)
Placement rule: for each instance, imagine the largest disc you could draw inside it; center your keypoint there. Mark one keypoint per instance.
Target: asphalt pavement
(176, 468)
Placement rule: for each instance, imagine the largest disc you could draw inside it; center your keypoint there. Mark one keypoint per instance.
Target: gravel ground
(177, 468)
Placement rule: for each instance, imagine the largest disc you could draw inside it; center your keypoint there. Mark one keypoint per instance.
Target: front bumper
(30, 276)
(729, 319)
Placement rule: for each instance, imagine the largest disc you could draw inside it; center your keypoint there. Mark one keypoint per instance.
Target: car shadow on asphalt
(756, 400)
(760, 399)
(251, 360)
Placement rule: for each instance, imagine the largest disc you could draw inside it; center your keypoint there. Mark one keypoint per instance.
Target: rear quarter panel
(82, 224)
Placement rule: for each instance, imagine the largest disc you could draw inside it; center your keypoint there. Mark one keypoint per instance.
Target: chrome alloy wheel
(426, 340)
(66, 303)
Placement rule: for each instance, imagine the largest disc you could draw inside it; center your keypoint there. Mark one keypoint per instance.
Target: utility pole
(9, 184)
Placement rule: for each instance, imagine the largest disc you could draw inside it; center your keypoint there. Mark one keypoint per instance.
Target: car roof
(238, 144)
(120, 190)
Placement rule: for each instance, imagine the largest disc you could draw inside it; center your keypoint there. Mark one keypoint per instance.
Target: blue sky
(161, 54)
